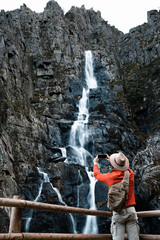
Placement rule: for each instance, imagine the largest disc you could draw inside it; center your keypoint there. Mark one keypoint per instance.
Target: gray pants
(125, 222)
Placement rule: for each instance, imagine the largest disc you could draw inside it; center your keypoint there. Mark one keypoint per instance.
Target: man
(126, 220)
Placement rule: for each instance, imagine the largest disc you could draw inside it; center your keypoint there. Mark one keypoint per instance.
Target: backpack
(118, 194)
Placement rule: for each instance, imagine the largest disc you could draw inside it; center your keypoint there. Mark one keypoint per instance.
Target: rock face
(41, 80)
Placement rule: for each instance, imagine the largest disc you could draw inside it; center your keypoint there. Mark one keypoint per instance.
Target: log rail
(63, 236)
(18, 204)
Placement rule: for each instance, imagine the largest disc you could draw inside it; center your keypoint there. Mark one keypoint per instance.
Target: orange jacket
(114, 177)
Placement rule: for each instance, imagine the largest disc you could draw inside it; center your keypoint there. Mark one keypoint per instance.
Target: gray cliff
(41, 81)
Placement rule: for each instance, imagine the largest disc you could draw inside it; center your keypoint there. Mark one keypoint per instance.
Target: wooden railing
(18, 204)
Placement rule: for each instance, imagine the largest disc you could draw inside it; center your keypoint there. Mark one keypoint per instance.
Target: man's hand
(95, 160)
(108, 158)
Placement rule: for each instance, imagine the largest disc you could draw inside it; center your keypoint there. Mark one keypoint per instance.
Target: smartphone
(102, 155)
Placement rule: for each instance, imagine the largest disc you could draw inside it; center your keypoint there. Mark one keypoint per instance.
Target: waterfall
(90, 79)
(79, 130)
(35, 200)
(47, 180)
(91, 221)
(79, 137)
(79, 179)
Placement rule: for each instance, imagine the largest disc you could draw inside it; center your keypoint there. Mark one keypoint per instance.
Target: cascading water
(79, 138)
(46, 179)
(91, 221)
(31, 211)
(79, 130)
(79, 179)
(77, 141)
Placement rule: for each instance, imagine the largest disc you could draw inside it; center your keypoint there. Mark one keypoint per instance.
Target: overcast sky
(123, 14)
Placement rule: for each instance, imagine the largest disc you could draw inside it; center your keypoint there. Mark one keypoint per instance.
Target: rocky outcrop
(41, 81)
(139, 52)
(147, 180)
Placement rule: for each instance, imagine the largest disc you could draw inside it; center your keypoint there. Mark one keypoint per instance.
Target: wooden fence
(18, 204)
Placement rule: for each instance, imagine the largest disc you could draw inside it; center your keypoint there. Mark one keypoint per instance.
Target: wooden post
(16, 217)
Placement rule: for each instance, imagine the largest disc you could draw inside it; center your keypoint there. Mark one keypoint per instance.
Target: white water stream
(91, 226)
(47, 180)
(79, 137)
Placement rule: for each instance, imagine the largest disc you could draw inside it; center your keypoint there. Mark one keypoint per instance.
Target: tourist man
(126, 220)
